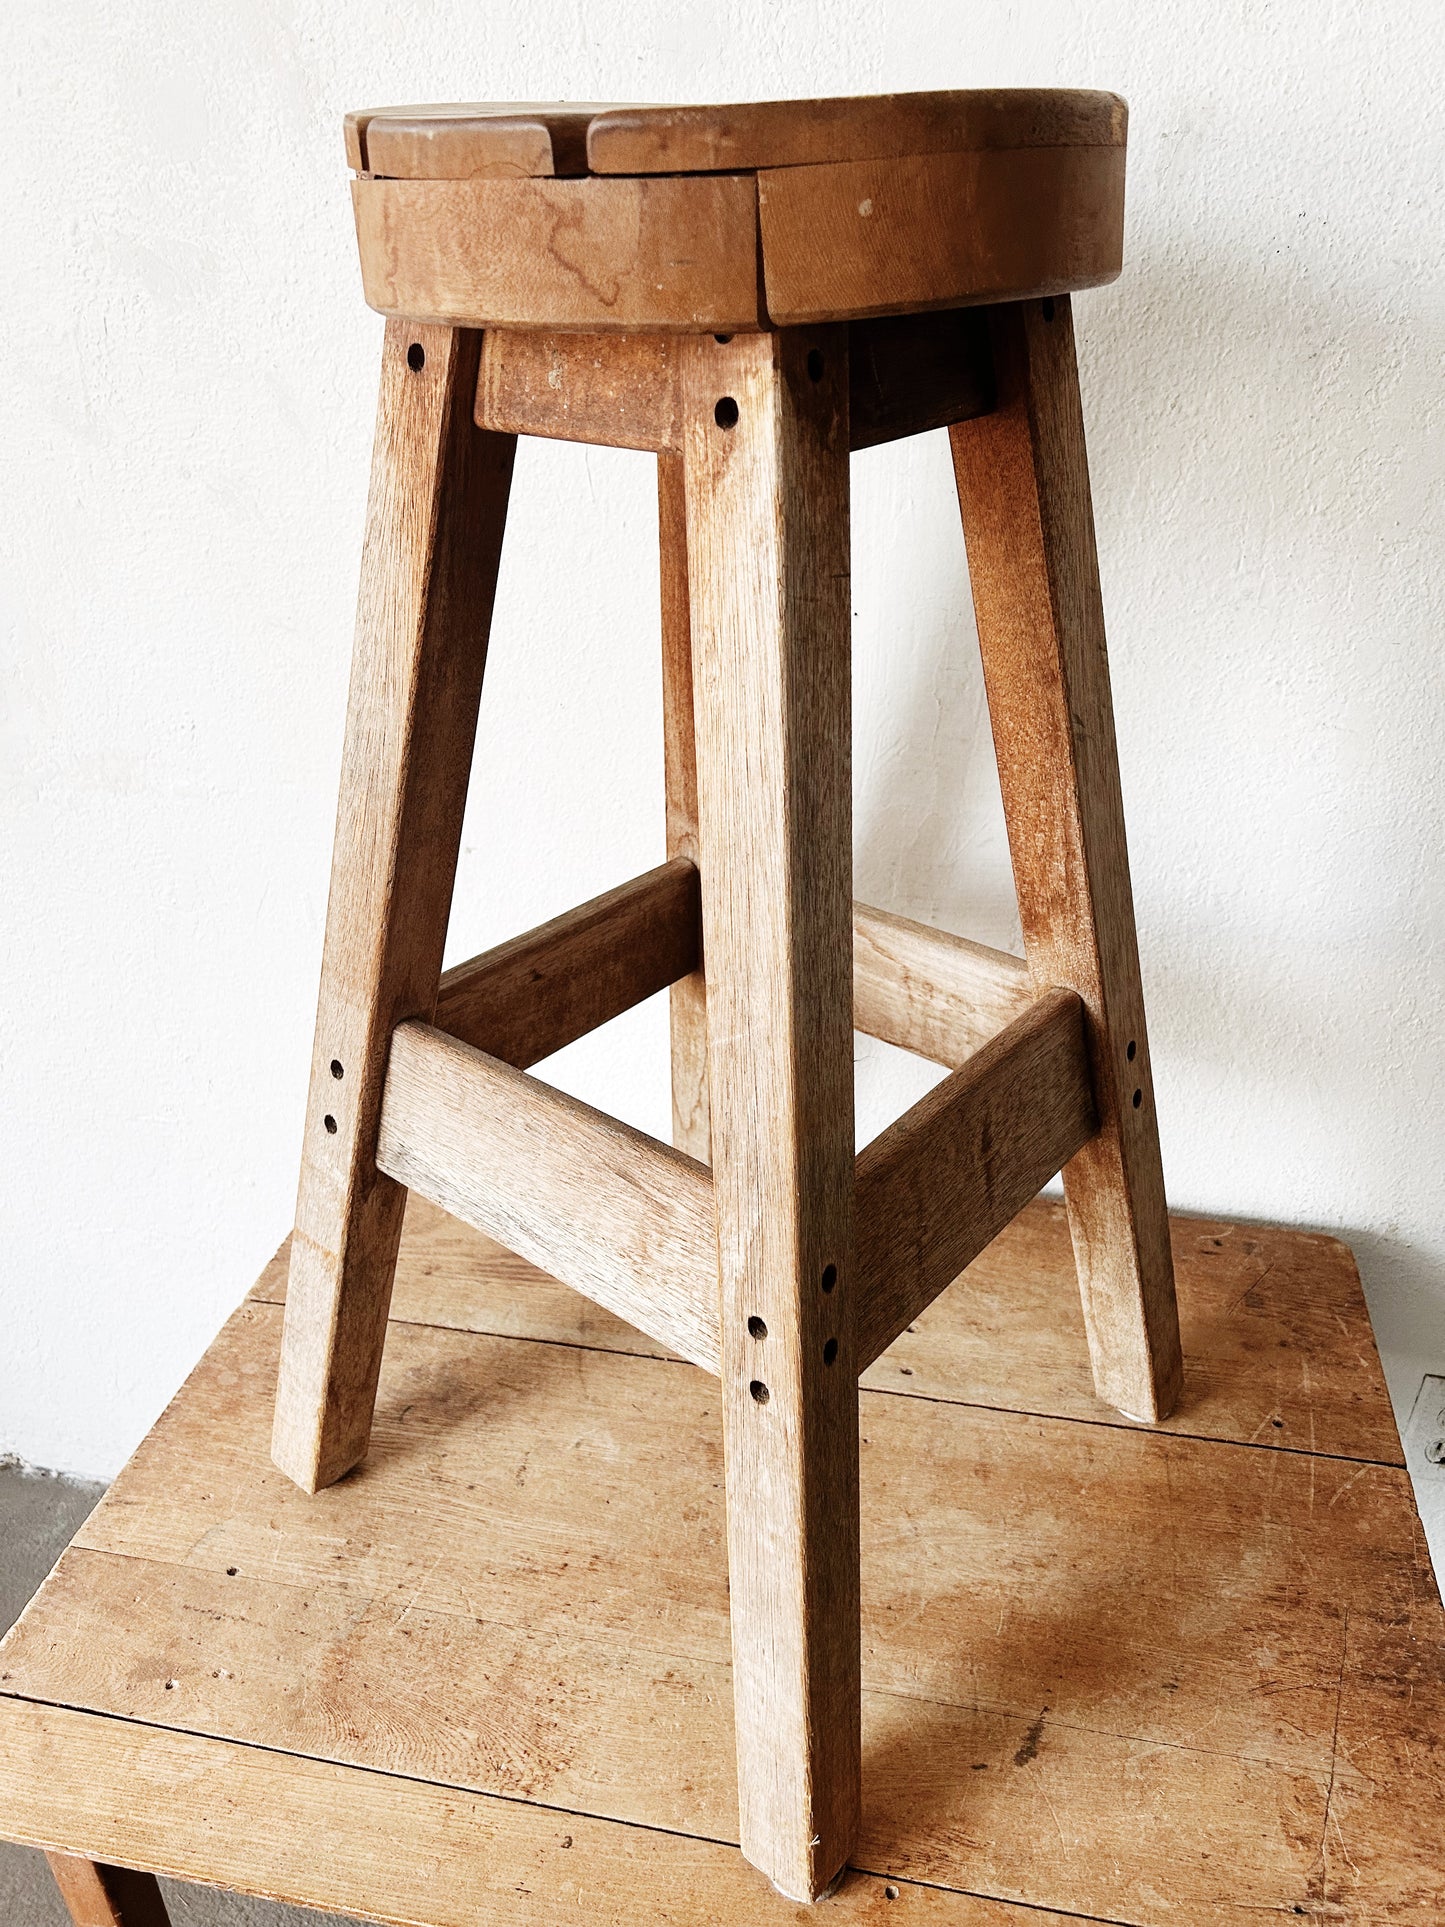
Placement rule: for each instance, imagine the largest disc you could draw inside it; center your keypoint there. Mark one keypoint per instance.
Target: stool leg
(99, 1896)
(434, 523)
(1023, 486)
(688, 997)
(766, 451)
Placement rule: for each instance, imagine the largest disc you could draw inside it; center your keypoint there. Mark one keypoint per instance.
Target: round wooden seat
(615, 217)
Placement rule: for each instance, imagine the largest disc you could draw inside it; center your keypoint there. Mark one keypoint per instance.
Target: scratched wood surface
(766, 481)
(1023, 489)
(510, 139)
(1277, 1343)
(1127, 1675)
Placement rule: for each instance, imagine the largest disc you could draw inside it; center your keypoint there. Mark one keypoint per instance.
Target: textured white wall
(189, 379)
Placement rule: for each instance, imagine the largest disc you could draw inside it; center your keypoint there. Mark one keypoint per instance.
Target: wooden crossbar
(925, 990)
(627, 1220)
(530, 996)
(608, 1210)
(907, 373)
(945, 1179)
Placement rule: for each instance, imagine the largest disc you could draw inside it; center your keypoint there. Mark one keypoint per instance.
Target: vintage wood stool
(750, 292)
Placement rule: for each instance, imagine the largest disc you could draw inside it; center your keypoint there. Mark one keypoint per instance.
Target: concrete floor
(39, 1515)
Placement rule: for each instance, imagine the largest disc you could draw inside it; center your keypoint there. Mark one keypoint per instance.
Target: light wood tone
(524, 1594)
(595, 254)
(538, 992)
(907, 374)
(434, 526)
(925, 990)
(462, 141)
(945, 1179)
(687, 1015)
(1023, 486)
(1276, 1344)
(606, 1209)
(99, 1896)
(493, 140)
(766, 464)
(397, 1849)
(619, 390)
(1274, 1334)
(929, 992)
(939, 230)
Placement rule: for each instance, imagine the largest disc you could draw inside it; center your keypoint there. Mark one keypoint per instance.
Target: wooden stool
(750, 292)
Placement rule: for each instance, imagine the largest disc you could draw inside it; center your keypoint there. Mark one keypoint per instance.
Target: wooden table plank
(1134, 1676)
(397, 1850)
(1277, 1342)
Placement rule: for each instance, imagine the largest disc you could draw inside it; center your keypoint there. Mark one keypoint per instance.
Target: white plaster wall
(187, 399)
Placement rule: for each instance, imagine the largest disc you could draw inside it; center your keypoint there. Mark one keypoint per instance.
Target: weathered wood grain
(1100, 1665)
(463, 141)
(766, 486)
(603, 1207)
(1277, 1347)
(535, 993)
(898, 236)
(907, 374)
(922, 989)
(591, 254)
(452, 1275)
(792, 133)
(397, 1851)
(1023, 487)
(619, 390)
(927, 991)
(496, 140)
(687, 1010)
(945, 1178)
(435, 517)
(1277, 1343)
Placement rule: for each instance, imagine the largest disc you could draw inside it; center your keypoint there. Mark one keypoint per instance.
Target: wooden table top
(1112, 1674)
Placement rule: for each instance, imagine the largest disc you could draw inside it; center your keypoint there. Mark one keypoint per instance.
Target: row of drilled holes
(338, 1071)
(758, 1329)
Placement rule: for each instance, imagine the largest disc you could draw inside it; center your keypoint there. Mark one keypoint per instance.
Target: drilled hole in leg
(1133, 1050)
(830, 1277)
(336, 1068)
(1138, 1099)
(416, 357)
(726, 413)
(830, 1351)
(760, 1391)
(330, 1123)
(757, 1328)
